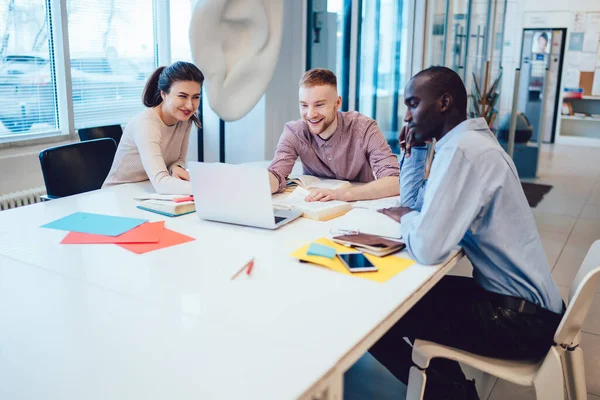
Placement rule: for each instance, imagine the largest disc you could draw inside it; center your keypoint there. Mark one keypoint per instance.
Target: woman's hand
(181, 173)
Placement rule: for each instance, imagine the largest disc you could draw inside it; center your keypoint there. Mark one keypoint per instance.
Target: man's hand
(326, 195)
(407, 140)
(395, 213)
(178, 172)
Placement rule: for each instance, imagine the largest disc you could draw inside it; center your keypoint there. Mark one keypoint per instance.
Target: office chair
(562, 366)
(111, 131)
(77, 167)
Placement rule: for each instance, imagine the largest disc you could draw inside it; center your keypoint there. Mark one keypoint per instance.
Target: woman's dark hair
(164, 77)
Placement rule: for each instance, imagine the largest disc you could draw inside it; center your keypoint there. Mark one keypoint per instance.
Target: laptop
(236, 194)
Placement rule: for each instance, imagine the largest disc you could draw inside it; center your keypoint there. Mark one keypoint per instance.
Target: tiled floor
(568, 219)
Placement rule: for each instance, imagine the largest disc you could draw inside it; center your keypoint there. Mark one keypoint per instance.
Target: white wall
(20, 167)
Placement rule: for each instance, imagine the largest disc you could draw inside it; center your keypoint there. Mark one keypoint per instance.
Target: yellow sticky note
(387, 267)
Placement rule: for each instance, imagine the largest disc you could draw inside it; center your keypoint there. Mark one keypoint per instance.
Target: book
(177, 198)
(372, 244)
(316, 210)
(573, 93)
(169, 208)
(581, 114)
(312, 182)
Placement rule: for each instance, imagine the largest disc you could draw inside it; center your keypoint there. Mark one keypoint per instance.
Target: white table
(97, 321)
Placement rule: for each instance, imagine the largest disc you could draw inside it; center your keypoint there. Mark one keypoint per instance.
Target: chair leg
(416, 384)
(549, 383)
(574, 374)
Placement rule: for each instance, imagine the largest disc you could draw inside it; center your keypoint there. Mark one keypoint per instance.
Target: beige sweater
(148, 150)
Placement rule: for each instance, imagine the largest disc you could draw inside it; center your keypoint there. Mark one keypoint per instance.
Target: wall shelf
(573, 118)
(582, 98)
(581, 131)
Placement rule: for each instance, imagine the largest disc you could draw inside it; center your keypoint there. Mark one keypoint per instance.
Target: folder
(388, 266)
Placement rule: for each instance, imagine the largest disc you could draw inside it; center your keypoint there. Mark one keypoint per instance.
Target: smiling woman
(155, 142)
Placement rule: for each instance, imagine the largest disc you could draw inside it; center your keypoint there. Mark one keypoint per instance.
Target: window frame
(60, 56)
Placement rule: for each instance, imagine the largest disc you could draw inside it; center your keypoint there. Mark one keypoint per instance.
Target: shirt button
(329, 158)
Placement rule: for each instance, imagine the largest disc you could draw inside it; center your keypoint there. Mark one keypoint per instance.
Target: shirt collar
(331, 128)
(473, 124)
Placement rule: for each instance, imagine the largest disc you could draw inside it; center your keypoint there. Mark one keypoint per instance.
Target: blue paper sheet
(98, 224)
(316, 249)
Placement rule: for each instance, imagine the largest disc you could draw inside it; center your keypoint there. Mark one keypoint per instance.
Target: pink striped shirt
(356, 152)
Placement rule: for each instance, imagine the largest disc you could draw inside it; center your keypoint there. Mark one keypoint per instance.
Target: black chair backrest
(111, 131)
(77, 167)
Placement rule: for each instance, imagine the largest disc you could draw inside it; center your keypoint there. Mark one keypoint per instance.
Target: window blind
(27, 84)
(112, 46)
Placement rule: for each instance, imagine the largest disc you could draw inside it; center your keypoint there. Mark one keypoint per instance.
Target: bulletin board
(582, 60)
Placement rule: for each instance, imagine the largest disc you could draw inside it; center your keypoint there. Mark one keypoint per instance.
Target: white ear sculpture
(236, 43)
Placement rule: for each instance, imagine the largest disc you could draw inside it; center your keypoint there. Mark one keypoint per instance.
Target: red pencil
(249, 270)
(247, 265)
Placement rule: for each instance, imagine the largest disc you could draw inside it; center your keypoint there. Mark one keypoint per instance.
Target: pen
(248, 265)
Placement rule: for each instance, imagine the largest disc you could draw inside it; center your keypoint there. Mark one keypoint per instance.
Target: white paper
(590, 42)
(579, 22)
(367, 221)
(296, 199)
(596, 84)
(162, 197)
(573, 59)
(571, 79)
(377, 204)
(312, 182)
(588, 62)
(592, 22)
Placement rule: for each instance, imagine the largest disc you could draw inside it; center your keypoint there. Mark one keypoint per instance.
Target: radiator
(21, 198)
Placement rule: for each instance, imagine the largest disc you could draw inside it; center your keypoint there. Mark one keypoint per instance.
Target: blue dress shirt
(473, 198)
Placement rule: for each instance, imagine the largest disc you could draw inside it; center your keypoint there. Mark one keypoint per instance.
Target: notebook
(312, 182)
(387, 267)
(368, 221)
(169, 208)
(316, 210)
(178, 198)
(372, 244)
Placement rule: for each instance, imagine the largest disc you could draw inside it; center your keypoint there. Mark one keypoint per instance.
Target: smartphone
(356, 262)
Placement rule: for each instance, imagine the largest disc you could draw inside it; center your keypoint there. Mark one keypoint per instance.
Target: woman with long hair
(155, 142)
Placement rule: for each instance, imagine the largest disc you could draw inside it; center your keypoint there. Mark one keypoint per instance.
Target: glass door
(437, 32)
(382, 64)
(541, 65)
(329, 40)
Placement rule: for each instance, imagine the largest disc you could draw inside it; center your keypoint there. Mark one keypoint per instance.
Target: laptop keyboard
(279, 219)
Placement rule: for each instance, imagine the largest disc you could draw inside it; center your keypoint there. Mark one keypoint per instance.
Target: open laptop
(236, 194)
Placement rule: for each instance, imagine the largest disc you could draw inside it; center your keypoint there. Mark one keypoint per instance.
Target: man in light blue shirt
(472, 198)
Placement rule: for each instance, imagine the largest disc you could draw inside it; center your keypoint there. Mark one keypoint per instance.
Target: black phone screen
(356, 260)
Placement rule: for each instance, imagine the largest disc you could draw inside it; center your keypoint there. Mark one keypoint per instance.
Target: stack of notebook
(169, 205)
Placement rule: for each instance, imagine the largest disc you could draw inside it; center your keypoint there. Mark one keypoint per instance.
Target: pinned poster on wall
(588, 62)
(592, 22)
(579, 23)
(590, 42)
(584, 52)
(576, 41)
(596, 84)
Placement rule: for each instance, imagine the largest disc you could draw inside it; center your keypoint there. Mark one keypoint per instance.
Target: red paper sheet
(169, 238)
(148, 232)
